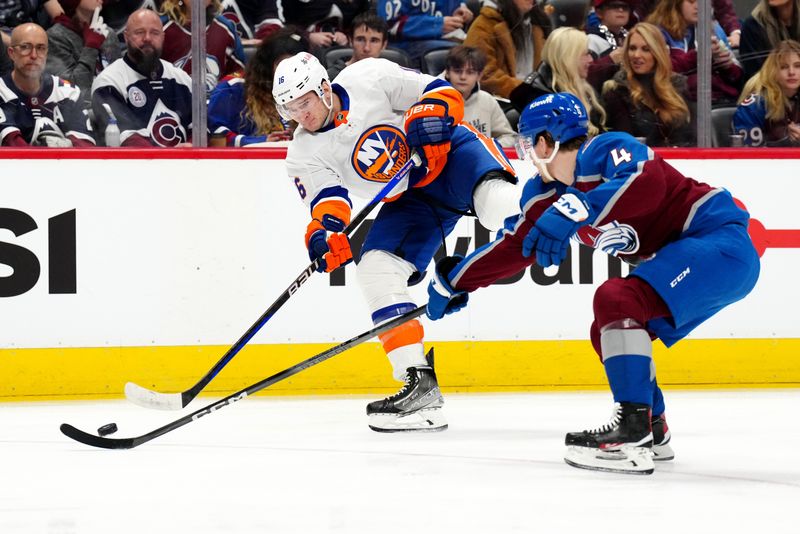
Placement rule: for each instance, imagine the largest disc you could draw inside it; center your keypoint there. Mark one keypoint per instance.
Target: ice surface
(311, 465)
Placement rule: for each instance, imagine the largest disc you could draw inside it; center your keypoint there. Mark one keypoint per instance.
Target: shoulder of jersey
(366, 71)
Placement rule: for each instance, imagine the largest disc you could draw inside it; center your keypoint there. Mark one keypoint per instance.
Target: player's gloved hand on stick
(551, 233)
(428, 130)
(332, 250)
(443, 299)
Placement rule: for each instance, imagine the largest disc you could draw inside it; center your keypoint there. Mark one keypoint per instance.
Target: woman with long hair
(768, 113)
(677, 20)
(224, 51)
(645, 98)
(512, 35)
(241, 110)
(770, 22)
(564, 69)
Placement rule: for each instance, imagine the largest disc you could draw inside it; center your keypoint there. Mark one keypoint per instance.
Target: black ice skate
(661, 436)
(416, 407)
(623, 445)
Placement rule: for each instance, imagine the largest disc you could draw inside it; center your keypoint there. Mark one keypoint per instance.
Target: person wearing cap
(607, 38)
(81, 45)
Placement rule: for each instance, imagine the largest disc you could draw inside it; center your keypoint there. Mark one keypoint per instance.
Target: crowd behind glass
(88, 72)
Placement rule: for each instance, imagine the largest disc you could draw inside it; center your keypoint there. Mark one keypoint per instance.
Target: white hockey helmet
(296, 76)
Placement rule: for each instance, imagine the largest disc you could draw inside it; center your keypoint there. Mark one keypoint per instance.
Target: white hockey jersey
(361, 154)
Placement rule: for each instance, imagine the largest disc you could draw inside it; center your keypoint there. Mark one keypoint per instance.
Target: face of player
(789, 74)
(145, 38)
(463, 79)
(584, 60)
(309, 110)
(28, 51)
(367, 43)
(614, 14)
(689, 11)
(640, 55)
(562, 166)
(524, 6)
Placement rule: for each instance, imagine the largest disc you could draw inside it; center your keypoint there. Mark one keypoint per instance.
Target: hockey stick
(129, 443)
(175, 401)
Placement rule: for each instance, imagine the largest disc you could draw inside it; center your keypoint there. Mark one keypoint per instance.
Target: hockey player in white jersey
(353, 136)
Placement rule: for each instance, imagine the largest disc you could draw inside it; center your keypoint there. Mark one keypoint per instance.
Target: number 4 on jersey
(620, 155)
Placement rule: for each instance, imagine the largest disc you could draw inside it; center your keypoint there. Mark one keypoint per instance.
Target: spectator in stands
(418, 27)
(81, 45)
(724, 13)
(241, 110)
(150, 98)
(770, 22)
(224, 52)
(254, 19)
(16, 12)
(606, 39)
(5, 62)
(645, 98)
(512, 34)
(769, 110)
(369, 38)
(464, 67)
(564, 69)
(323, 22)
(677, 20)
(38, 108)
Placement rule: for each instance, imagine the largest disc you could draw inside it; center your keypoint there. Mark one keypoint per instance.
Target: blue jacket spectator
(417, 27)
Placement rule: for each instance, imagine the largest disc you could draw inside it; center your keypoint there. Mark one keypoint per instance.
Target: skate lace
(616, 418)
(409, 382)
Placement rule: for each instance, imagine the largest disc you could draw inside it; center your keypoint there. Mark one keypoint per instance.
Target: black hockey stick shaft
(129, 443)
(189, 395)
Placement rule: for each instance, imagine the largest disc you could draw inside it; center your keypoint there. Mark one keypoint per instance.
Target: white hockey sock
(404, 357)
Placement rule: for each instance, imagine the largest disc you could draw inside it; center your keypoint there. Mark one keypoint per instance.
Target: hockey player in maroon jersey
(38, 108)
(688, 240)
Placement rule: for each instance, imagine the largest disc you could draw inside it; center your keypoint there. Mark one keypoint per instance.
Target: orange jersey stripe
(338, 208)
(492, 148)
(451, 98)
(405, 334)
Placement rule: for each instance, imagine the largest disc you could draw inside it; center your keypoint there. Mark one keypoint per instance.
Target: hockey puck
(105, 430)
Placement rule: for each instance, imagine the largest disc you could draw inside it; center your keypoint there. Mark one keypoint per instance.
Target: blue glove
(551, 233)
(427, 131)
(443, 299)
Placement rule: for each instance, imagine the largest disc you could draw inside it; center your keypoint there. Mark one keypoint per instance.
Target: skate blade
(663, 453)
(629, 460)
(430, 420)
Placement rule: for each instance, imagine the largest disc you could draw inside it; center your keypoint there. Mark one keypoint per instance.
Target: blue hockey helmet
(562, 115)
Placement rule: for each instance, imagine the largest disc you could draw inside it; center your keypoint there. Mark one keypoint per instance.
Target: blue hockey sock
(628, 360)
(658, 400)
(629, 378)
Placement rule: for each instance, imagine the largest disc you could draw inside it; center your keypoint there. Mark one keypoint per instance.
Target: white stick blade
(147, 398)
(629, 460)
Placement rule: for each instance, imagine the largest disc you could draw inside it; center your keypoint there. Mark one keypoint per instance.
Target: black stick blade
(97, 441)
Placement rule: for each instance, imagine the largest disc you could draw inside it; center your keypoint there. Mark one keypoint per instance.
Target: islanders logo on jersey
(380, 152)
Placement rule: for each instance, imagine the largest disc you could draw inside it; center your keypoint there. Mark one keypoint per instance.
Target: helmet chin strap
(541, 164)
(328, 105)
